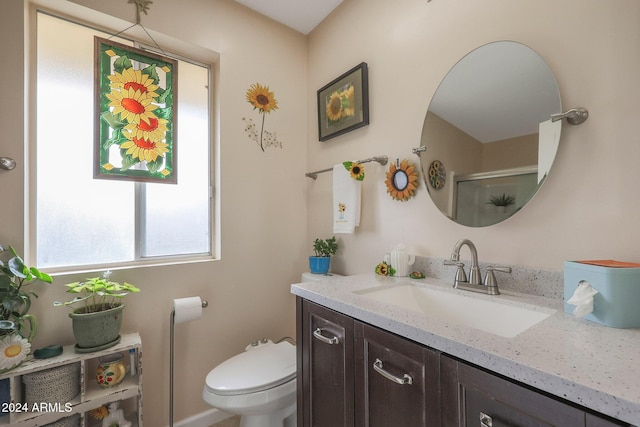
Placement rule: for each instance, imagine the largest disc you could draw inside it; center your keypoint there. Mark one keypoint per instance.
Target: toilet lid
(254, 370)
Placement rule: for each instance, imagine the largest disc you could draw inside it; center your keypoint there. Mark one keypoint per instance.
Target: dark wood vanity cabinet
(354, 374)
(473, 397)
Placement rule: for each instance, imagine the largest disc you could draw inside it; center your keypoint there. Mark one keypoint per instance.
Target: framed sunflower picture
(135, 117)
(343, 104)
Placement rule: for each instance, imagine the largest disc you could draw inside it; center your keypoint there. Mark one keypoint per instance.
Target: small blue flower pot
(319, 264)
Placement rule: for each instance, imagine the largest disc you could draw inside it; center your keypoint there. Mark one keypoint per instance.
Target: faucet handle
(461, 276)
(490, 279)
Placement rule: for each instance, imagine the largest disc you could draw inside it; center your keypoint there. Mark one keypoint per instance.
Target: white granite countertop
(583, 362)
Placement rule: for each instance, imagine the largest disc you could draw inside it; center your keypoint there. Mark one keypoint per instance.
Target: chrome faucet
(474, 283)
(474, 278)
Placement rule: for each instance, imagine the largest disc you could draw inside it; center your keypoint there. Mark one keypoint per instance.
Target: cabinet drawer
(473, 397)
(397, 381)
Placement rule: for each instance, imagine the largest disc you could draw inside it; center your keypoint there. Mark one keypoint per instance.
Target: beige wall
(586, 209)
(458, 151)
(263, 208)
(510, 153)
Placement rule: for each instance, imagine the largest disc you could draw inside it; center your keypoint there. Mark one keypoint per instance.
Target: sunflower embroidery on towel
(341, 209)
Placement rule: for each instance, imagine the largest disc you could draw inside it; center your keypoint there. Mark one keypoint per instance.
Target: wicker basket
(72, 421)
(54, 385)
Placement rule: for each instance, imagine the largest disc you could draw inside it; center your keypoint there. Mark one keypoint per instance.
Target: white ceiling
(500, 91)
(301, 15)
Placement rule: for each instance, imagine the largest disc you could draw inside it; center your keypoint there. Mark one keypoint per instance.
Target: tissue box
(617, 303)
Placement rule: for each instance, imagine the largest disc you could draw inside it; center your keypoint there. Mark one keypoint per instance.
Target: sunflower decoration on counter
(13, 351)
(263, 100)
(356, 170)
(384, 269)
(402, 180)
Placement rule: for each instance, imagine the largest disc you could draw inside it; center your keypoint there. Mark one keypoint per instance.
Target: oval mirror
(488, 126)
(400, 180)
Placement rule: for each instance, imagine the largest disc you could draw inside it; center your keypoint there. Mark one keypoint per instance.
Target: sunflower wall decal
(263, 100)
(135, 114)
(402, 180)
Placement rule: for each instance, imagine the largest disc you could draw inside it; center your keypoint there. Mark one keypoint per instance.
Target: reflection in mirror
(400, 180)
(490, 123)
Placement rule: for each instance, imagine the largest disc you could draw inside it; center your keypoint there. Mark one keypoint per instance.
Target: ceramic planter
(96, 331)
(319, 264)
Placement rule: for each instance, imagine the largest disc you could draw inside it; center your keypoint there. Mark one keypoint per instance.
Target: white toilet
(259, 385)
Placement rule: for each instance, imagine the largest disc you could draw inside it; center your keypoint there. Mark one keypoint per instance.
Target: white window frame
(185, 51)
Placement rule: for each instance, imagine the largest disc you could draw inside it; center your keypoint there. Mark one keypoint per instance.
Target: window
(81, 221)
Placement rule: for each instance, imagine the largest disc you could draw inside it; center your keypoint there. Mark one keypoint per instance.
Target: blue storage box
(617, 303)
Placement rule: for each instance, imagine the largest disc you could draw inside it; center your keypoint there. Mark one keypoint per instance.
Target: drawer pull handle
(485, 420)
(318, 334)
(406, 379)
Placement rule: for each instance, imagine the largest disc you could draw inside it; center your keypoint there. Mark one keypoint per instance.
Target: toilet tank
(311, 277)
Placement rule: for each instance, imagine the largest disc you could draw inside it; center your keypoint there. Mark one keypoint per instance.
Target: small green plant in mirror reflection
(502, 200)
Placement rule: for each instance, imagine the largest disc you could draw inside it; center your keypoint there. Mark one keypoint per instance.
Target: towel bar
(380, 159)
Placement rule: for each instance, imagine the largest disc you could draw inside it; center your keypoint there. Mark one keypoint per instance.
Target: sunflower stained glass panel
(135, 114)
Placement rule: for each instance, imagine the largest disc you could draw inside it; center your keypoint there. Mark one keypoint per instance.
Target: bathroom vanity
(367, 359)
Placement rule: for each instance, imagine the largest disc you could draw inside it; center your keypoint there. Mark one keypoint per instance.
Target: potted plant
(502, 201)
(96, 324)
(323, 249)
(15, 298)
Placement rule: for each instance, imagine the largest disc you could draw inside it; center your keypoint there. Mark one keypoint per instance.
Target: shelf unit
(91, 396)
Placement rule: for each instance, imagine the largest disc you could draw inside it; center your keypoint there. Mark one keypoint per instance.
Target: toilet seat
(258, 369)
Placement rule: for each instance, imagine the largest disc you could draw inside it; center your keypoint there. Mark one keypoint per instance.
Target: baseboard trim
(203, 419)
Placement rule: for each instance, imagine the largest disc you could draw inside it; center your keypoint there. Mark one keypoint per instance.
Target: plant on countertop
(502, 200)
(325, 248)
(98, 293)
(15, 299)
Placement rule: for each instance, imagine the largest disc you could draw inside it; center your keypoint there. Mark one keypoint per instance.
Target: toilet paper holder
(182, 304)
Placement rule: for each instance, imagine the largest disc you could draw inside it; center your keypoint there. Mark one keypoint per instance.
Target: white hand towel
(346, 201)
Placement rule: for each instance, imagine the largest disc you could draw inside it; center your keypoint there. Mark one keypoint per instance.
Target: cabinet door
(472, 397)
(596, 421)
(396, 381)
(325, 353)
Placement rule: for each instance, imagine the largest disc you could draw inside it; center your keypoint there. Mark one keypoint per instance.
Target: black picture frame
(343, 104)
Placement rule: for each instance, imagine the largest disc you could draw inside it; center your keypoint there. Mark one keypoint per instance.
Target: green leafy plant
(98, 293)
(502, 200)
(325, 248)
(15, 276)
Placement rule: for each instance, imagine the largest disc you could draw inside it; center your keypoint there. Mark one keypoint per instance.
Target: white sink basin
(483, 312)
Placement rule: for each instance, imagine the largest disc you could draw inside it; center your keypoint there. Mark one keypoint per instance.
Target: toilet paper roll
(187, 309)
(582, 298)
